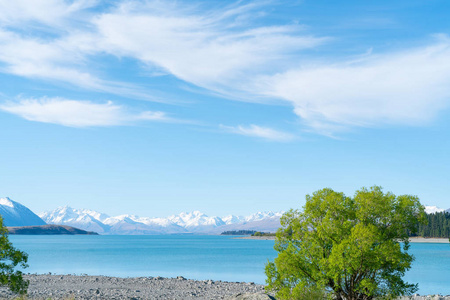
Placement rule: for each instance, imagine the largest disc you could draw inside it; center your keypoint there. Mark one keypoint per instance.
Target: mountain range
(183, 223)
(15, 214)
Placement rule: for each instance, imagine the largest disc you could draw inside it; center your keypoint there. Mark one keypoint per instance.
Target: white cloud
(409, 88)
(74, 113)
(210, 49)
(62, 60)
(49, 59)
(223, 51)
(260, 132)
(47, 12)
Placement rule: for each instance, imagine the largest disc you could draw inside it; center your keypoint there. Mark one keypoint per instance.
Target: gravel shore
(429, 240)
(102, 287)
(67, 287)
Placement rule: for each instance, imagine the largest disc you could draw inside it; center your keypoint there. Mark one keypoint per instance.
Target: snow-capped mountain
(259, 216)
(185, 222)
(68, 214)
(433, 209)
(192, 222)
(85, 219)
(15, 214)
(231, 219)
(196, 221)
(131, 224)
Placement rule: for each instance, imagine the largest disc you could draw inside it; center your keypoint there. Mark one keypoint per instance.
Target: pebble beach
(67, 287)
(102, 287)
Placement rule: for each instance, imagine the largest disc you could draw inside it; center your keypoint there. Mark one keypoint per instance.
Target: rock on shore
(67, 287)
(103, 287)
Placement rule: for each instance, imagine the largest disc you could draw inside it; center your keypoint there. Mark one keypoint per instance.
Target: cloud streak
(260, 132)
(73, 113)
(211, 50)
(224, 51)
(408, 88)
(47, 12)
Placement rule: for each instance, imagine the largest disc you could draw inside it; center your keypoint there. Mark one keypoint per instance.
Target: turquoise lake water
(194, 257)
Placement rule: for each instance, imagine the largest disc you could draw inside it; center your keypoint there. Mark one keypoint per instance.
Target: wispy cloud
(62, 60)
(408, 87)
(211, 49)
(75, 113)
(47, 12)
(260, 132)
(223, 50)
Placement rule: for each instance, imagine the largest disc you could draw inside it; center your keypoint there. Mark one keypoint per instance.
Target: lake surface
(195, 257)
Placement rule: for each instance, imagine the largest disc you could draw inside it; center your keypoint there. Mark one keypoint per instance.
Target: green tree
(438, 226)
(10, 258)
(346, 248)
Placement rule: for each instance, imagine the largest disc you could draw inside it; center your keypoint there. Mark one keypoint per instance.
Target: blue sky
(157, 107)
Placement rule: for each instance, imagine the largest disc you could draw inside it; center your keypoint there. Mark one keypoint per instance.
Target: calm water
(195, 257)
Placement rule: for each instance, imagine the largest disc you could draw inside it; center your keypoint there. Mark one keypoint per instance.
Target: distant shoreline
(256, 237)
(429, 240)
(49, 229)
(412, 239)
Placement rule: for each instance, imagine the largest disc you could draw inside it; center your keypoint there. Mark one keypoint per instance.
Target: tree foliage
(438, 226)
(10, 258)
(351, 248)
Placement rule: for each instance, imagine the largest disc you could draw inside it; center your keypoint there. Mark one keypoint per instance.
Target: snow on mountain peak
(97, 215)
(8, 205)
(195, 219)
(64, 214)
(129, 219)
(6, 202)
(185, 222)
(232, 219)
(263, 215)
(432, 209)
(15, 214)
(81, 218)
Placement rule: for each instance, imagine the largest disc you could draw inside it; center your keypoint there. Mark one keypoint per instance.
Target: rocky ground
(101, 287)
(69, 287)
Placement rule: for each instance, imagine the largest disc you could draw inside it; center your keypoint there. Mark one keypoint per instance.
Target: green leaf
(344, 247)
